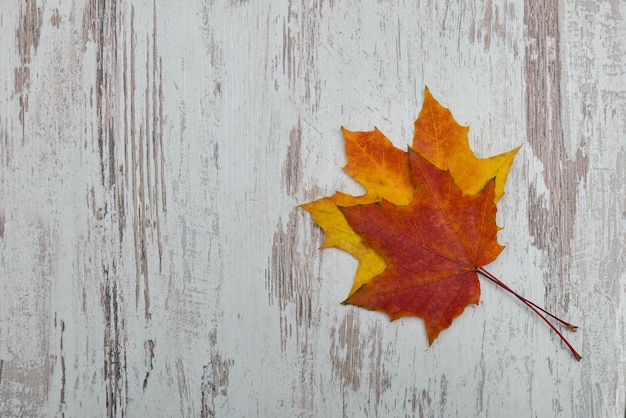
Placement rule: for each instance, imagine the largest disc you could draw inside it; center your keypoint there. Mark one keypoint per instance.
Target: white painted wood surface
(152, 154)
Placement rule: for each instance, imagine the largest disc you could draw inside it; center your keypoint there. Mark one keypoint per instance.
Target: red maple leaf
(433, 246)
(426, 225)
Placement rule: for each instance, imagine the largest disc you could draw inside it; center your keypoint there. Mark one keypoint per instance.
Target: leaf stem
(536, 309)
(523, 299)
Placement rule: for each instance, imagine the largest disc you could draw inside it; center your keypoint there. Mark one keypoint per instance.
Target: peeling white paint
(152, 258)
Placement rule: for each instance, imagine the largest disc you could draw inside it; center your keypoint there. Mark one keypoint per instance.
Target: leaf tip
(427, 93)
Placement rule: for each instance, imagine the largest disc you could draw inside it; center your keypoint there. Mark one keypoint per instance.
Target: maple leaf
(383, 170)
(433, 246)
(426, 223)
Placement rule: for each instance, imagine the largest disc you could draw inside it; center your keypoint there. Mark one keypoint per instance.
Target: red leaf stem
(536, 309)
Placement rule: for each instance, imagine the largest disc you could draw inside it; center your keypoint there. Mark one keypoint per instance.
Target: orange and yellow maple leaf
(383, 171)
(426, 224)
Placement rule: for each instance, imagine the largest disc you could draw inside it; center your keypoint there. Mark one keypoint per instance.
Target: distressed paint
(544, 127)
(27, 39)
(152, 258)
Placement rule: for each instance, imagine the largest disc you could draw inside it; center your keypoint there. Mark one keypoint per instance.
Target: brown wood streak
(24, 382)
(299, 49)
(288, 282)
(215, 379)
(115, 371)
(63, 370)
(181, 380)
(150, 199)
(2, 223)
(139, 255)
(293, 160)
(131, 150)
(545, 135)
(149, 348)
(353, 351)
(289, 278)
(28, 34)
(100, 23)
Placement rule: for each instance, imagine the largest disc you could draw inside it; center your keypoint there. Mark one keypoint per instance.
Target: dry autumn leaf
(383, 170)
(426, 224)
(433, 245)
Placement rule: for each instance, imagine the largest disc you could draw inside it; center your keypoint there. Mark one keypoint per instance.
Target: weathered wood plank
(152, 155)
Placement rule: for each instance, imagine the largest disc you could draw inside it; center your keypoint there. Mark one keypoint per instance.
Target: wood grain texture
(152, 155)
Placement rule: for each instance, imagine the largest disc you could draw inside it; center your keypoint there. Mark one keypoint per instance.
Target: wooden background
(152, 154)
